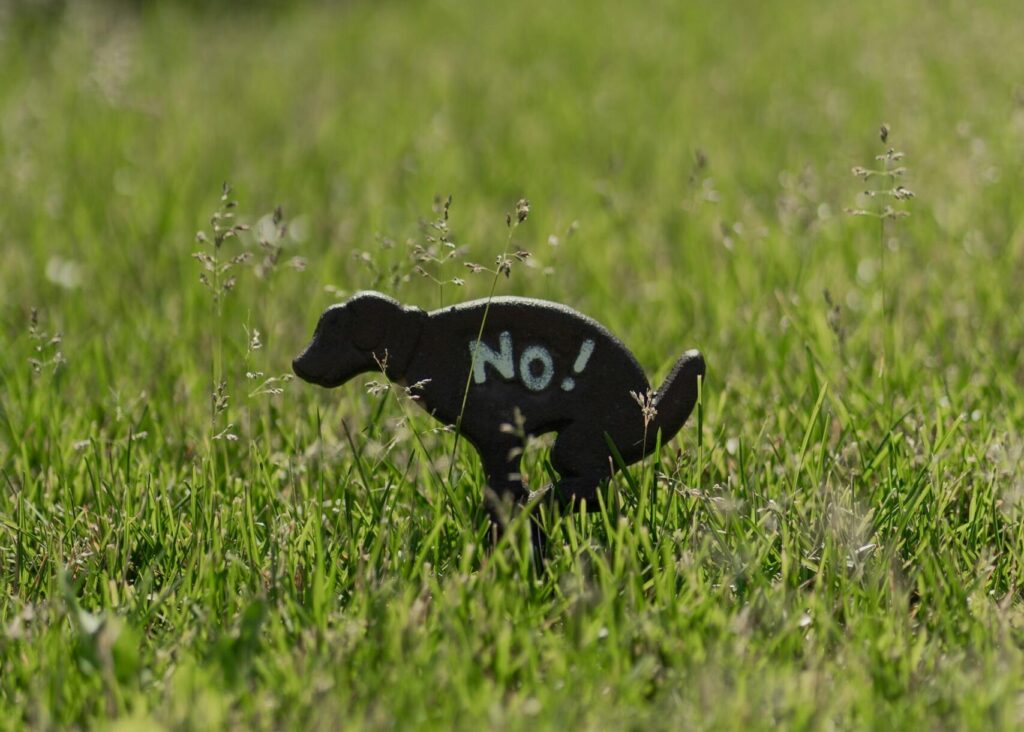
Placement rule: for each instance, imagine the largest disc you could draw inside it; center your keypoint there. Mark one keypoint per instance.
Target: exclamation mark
(569, 383)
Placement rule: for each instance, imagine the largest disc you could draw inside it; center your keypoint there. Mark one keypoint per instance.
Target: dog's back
(549, 362)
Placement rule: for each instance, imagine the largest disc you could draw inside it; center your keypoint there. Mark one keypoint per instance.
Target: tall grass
(807, 553)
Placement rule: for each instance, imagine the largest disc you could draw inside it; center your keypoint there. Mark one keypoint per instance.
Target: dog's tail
(675, 399)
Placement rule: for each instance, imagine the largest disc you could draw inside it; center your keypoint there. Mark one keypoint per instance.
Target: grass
(824, 547)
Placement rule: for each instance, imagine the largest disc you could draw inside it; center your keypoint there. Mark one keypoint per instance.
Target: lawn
(191, 539)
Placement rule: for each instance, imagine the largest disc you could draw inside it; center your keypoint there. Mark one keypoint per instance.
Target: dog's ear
(372, 317)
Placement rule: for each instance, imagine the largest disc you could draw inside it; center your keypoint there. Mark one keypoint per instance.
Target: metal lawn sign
(535, 364)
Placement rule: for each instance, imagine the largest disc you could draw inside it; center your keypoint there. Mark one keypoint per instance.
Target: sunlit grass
(188, 539)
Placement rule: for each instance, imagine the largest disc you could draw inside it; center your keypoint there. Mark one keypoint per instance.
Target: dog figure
(487, 364)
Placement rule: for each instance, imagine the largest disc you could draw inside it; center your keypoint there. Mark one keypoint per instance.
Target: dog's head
(367, 332)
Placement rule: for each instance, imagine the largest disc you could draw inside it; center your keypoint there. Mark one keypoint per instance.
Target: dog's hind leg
(582, 465)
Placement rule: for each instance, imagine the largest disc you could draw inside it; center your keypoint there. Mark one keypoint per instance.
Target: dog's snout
(298, 366)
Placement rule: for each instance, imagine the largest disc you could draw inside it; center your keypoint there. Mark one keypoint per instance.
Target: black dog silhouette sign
(510, 361)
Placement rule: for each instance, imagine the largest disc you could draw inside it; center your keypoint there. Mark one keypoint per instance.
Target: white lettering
(585, 352)
(532, 355)
(480, 355)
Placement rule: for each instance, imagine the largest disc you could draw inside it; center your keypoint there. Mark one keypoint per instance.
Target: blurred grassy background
(119, 126)
(688, 168)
